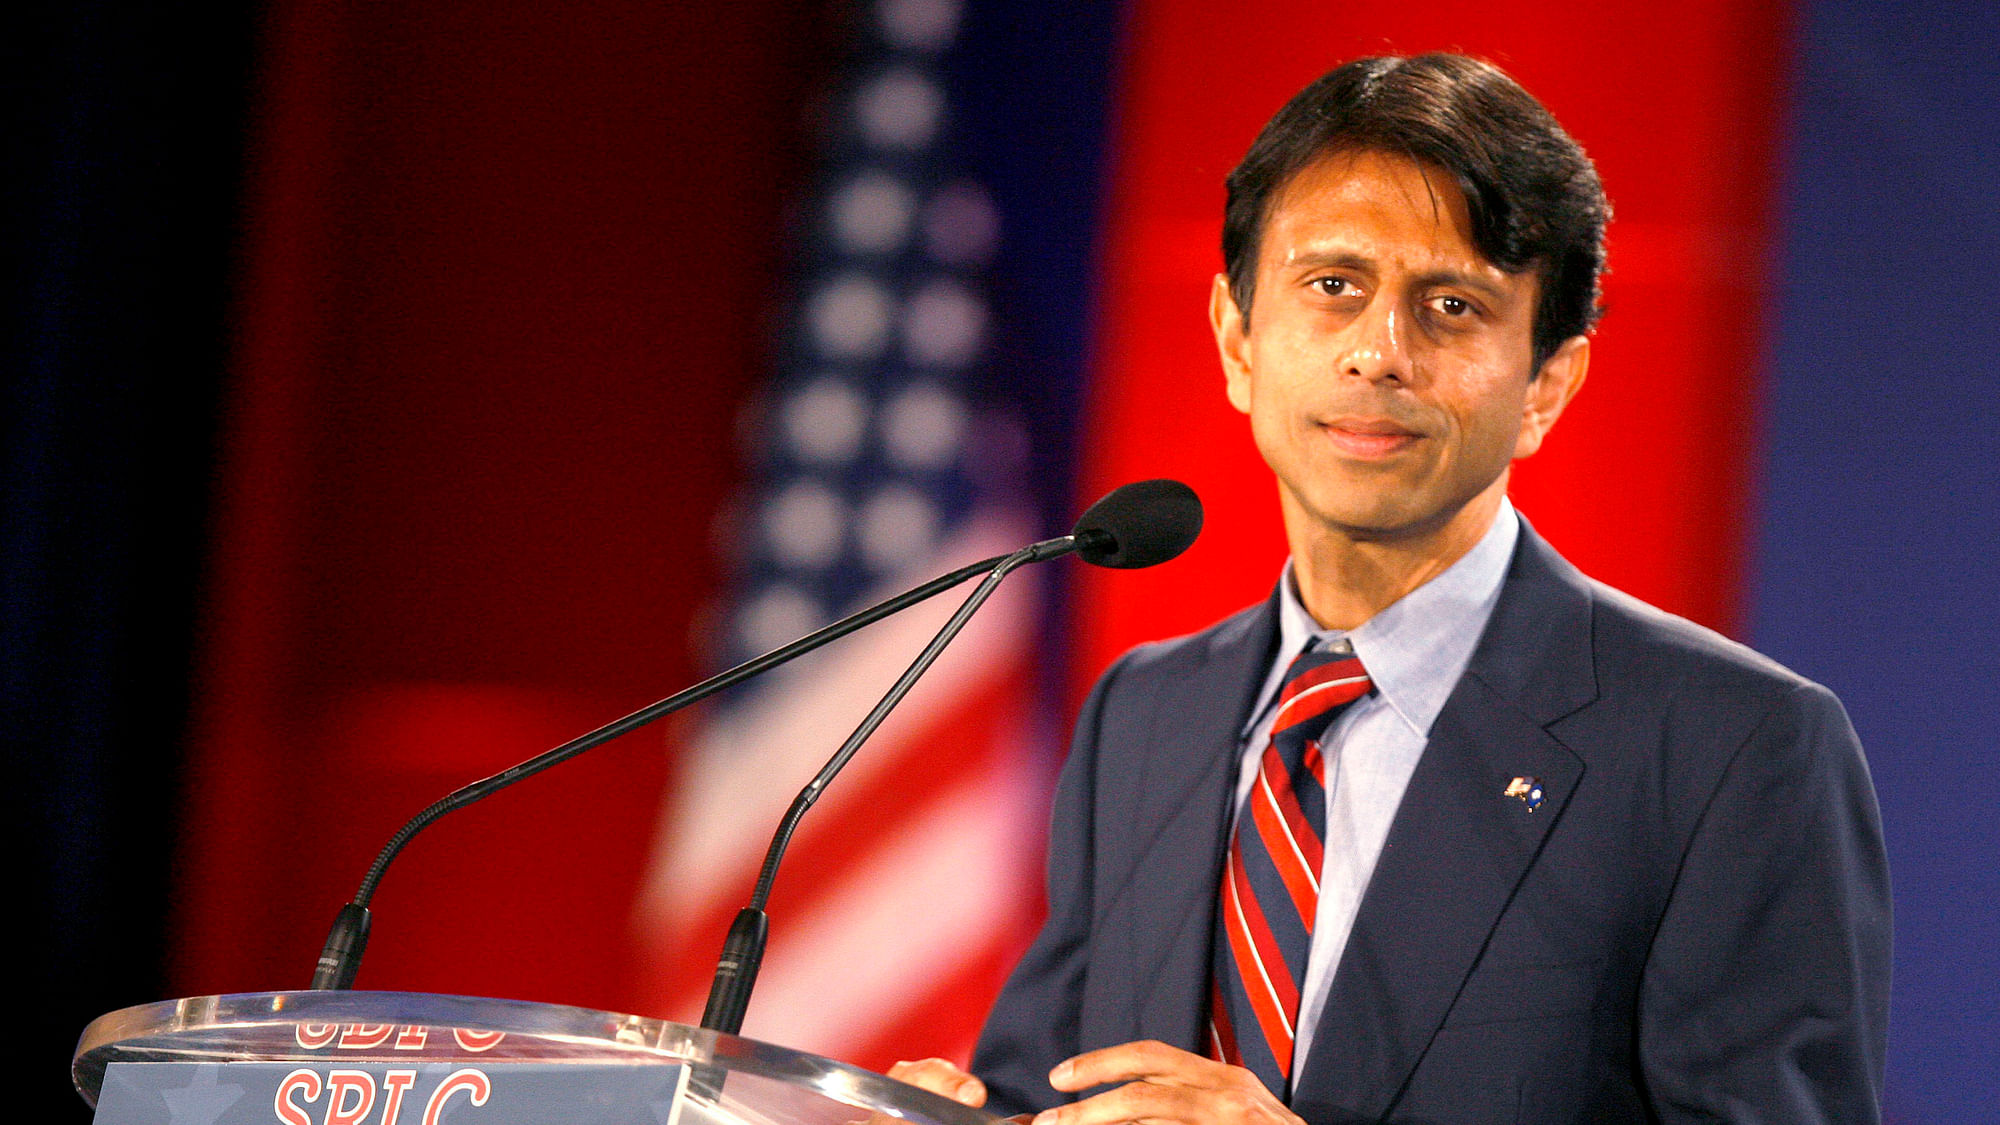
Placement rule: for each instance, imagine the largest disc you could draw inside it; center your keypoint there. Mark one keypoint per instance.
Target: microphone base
(341, 958)
(736, 972)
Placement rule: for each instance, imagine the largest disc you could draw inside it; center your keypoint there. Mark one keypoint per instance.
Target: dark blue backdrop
(1881, 496)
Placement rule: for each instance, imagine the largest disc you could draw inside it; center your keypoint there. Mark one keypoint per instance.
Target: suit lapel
(1458, 847)
(1166, 908)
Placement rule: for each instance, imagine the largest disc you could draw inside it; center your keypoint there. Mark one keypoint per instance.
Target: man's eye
(1334, 286)
(1452, 306)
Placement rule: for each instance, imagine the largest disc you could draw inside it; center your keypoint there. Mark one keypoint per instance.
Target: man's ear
(1550, 392)
(1231, 341)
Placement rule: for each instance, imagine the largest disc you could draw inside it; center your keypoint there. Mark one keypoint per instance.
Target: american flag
(913, 883)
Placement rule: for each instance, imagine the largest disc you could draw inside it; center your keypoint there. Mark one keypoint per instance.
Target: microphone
(1127, 526)
(1138, 525)
(1142, 524)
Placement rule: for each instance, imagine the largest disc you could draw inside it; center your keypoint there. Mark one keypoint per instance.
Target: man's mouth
(1368, 439)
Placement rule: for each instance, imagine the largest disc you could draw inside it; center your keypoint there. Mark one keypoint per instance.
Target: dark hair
(1534, 196)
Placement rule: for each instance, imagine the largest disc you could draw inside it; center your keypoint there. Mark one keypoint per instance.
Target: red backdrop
(505, 272)
(1643, 483)
(507, 276)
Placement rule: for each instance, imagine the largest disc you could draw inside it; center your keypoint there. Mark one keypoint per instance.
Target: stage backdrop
(1880, 506)
(505, 276)
(514, 278)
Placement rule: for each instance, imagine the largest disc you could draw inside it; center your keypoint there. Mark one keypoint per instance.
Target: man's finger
(1134, 1101)
(1147, 1059)
(1158, 1104)
(941, 1076)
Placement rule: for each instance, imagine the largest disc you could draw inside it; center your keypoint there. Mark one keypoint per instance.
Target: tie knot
(1317, 684)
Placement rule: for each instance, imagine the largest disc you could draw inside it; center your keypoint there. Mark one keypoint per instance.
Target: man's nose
(1376, 344)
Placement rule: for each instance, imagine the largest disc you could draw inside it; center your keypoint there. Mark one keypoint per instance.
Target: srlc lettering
(341, 1083)
(298, 1081)
(351, 1095)
(475, 1083)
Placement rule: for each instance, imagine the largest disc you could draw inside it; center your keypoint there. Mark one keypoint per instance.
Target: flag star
(804, 524)
(961, 226)
(203, 1100)
(919, 25)
(779, 615)
(900, 108)
(850, 317)
(945, 325)
(923, 427)
(824, 421)
(896, 524)
(872, 213)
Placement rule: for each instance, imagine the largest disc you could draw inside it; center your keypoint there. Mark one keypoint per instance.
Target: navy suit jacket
(1693, 925)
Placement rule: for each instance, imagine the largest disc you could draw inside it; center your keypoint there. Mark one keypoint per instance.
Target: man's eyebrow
(1459, 279)
(1323, 259)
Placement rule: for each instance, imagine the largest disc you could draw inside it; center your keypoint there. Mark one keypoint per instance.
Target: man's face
(1387, 366)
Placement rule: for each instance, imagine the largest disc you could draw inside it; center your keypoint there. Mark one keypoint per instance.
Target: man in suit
(1443, 831)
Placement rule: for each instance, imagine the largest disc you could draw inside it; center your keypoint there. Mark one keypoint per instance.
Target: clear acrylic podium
(731, 1079)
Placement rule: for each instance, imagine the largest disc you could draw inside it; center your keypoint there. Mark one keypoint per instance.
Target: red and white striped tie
(1270, 888)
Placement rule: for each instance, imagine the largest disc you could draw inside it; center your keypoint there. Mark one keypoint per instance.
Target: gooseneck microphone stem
(743, 949)
(1137, 525)
(1047, 549)
(341, 958)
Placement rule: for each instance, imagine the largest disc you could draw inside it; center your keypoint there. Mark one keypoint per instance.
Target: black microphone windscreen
(1144, 523)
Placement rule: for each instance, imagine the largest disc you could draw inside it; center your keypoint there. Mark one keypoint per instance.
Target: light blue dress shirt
(1415, 651)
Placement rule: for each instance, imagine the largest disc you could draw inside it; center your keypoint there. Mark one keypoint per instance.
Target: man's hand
(941, 1077)
(1162, 1083)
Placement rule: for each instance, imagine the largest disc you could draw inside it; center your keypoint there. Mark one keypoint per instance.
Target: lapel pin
(1528, 789)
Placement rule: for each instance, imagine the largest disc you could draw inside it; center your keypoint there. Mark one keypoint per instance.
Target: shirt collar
(1416, 649)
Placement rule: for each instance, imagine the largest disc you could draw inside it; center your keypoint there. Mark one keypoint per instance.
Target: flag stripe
(912, 773)
(877, 470)
(749, 761)
(843, 972)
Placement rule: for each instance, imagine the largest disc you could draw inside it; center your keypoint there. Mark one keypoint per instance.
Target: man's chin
(1384, 524)
(1396, 518)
